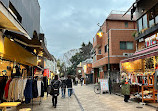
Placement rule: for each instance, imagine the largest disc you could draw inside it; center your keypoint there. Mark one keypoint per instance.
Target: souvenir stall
(141, 75)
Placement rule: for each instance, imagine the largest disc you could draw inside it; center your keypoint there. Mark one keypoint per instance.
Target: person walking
(55, 85)
(81, 81)
(76, 79)
(69, 86)
(125, 88)
(63, 87)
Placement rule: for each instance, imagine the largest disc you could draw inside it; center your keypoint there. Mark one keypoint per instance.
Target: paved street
(95, 102)
(89, 101)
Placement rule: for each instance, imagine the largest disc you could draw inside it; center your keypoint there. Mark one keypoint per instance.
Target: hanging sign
(46, 72)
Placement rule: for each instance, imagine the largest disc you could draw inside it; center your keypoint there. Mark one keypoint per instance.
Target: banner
(104, 85)
(46, 72)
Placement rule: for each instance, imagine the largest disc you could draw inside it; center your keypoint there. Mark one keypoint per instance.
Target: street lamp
(100, 34)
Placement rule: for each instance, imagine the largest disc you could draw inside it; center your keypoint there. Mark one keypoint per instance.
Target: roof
(126, 17)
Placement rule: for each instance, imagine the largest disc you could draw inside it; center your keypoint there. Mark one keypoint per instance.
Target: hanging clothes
(42, 89)
(28, 91)
(45, 83)
(34, 89)
(6, 89)
(3, 81)
(39, 87)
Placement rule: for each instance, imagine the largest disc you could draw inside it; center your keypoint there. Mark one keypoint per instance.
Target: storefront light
(11, 39)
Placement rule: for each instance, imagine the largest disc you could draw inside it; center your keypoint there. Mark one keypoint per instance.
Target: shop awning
(142, 54)
(15, 52)
(9, 22)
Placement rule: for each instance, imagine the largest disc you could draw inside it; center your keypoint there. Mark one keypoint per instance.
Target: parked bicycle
(97, 88)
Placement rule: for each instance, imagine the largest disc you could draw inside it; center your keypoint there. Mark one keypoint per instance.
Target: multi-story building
(142, 67)
(121, 44)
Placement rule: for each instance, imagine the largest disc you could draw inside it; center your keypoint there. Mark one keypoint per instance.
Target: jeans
(63, 90)
(69, 92)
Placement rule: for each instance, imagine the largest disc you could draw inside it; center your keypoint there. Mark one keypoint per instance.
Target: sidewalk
(67, 104)
(105, 102)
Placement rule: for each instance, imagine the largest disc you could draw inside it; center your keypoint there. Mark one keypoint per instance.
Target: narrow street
(87, 100)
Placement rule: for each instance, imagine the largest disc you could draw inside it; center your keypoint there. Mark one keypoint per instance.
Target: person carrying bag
(55, 85)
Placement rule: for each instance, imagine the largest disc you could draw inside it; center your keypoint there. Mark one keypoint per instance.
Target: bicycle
(97, 88)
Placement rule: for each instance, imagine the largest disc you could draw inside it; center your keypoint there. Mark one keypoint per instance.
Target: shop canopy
(143, 54)
(8, 21)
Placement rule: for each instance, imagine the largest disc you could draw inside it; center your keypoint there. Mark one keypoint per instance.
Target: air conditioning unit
(127, 54)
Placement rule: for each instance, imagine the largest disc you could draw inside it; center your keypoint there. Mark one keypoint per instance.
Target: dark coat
(63, 83)
(55, 85)
(42, 89)
(28, 91)
(69, 83)
(34, 89)
(3, 81)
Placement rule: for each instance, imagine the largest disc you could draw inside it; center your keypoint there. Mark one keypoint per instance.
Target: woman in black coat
(55, 85)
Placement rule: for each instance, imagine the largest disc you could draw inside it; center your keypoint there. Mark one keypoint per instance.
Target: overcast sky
(68, 23)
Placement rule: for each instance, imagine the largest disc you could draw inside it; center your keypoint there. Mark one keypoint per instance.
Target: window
(126, 24)
(151, 18)
(99, 52)
(106, 48)
(156, 14)
(140, 25)
(126, 45)
(145, 22)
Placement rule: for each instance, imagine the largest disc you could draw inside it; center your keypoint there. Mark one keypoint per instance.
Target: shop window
(126, 24)
(145, 22)
(106, 48)
(99, 52)
(140, 25)
(126, 45)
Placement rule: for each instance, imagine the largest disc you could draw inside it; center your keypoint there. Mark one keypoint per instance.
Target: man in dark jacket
(63, 87)
(69, 86)
(55, 85)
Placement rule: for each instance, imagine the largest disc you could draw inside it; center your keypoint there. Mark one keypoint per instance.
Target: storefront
(141, 68)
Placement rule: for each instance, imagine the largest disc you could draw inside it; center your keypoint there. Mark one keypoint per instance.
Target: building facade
(142, 66)
(121, 44)
(26, 13)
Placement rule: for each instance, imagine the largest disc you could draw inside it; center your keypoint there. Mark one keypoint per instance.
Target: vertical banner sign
(46, 72)
(104, 85)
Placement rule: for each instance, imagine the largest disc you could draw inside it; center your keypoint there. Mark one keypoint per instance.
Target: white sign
(104, 85)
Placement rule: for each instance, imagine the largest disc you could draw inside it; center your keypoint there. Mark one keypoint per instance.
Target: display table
(9, 104)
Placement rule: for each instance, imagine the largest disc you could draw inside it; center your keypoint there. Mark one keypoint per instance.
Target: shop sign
(104, 85)
(151, 40)
(46, 72)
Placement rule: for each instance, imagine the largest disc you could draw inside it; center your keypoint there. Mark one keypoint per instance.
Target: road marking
(82, 109)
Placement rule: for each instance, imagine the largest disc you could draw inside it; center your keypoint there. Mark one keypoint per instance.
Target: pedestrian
(81, 81)
(55, 85)
(69, 86)
(63, 87)
(76, 79)
(125, 88)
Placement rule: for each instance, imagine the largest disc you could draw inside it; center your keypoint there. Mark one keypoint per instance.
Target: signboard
(151, 40)
(46, 72)
(104, 85)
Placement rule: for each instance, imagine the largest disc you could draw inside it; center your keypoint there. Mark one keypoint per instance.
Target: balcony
(97, 41)
(97, 57)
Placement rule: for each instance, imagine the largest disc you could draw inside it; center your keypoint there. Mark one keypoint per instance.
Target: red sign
(46, 72)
